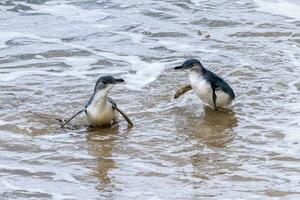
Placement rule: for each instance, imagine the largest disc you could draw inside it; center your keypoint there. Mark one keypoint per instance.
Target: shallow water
(52, 52)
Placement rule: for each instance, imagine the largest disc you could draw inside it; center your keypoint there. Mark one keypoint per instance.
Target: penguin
(209, 87)
(101, 110)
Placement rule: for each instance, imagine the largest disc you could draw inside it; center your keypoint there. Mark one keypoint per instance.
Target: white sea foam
(16, 74)
(100, 26)
(135, 37)
(145, 72)
(9, 186)
(79, 62)
(279, 7)
(185, 47)
(2, 44)
(70, 12)
(296, 62)
(67, 11)
(28, 169)
(4, 8)
(197, 2)
(6, 36)
(39, 57)
(65, 177)
(58, 196)
(2, 122)
(8, 67)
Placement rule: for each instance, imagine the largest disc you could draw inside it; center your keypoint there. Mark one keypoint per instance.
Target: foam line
(67, 11)
(279, 7)
(145, 72)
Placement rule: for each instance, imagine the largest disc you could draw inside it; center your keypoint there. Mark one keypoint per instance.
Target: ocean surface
(53, 51)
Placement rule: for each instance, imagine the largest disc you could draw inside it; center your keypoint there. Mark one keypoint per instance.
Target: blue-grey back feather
(113, 103)
(218, 83)
(89, 102)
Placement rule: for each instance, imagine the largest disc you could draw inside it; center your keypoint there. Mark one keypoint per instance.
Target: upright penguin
(209, 87)
(100, 109)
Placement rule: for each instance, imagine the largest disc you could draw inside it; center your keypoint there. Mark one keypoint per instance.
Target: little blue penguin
(209, 87)
(100, 109)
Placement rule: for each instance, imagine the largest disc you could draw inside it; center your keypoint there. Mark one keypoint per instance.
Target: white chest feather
(204, 91)
(100, 111)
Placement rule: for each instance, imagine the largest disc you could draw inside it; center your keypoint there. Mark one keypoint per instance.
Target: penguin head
(191, 64)
(107, 82)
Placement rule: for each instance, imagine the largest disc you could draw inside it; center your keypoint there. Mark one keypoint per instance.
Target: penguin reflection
(100, 145)
(212, 128)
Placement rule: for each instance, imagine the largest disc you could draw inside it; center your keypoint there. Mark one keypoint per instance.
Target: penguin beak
(178, 67)
(118, 80)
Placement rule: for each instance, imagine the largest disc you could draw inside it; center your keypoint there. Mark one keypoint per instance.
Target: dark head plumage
(190, 64)
(103, 81)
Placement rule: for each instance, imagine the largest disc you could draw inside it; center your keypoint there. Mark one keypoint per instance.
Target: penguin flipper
(72, 117)
(214, 96)
(113, 103)
(115, 107)
(183, 89)
(130, 124)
